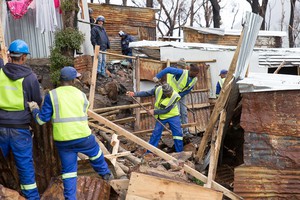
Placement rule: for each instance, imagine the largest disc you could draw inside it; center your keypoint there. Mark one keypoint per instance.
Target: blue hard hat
(68, 73)
(18, 47)
(100, 18)
(223, 71)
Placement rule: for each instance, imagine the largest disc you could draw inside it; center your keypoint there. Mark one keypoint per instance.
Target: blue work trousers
(101, 64)
(183, 114)
(68, 151)
(175, 126)
(19, 141)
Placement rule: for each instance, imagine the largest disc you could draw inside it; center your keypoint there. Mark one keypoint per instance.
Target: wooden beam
(102, 110)
(137, 124)
(117, 155)
(110, 113)
(279, 67)
(215, 149)
(160, 153)
(162, 188)
(115, 143)
(220, 103)
(94, 77)
(101, 128)
(124, 120)
(197, 61)
(151, 130)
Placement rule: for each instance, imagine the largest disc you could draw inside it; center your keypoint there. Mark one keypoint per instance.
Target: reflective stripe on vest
(28, 186)
(165, 103)
(69, 175)
(11, 93)
(181, 84)
(69, 114)
(96, 156)
(177, 138)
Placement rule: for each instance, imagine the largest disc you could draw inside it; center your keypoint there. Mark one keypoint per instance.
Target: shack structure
(230, 37)
(270, 118)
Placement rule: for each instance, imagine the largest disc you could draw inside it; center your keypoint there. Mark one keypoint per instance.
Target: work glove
(33, 105)
(130, 94)
(155, 79)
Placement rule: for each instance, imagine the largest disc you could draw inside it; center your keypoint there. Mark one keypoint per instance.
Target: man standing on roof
(125, 40)
(99, 37)
(18, 84)
(67, 107)
(182, 81)
(166, 111)
(223, 74)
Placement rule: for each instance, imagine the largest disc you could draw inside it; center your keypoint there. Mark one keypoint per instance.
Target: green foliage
(66, 41)
(69, 5)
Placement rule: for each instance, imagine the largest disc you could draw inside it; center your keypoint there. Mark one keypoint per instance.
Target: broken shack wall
(137, 22)
(223, 60)
(271, 121)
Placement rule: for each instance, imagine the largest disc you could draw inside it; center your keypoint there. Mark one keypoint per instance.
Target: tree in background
(261, 10)
(291, 24)
(216, 13)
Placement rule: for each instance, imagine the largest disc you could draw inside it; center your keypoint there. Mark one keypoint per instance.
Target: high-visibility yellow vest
(180, 85)
(11, 93)
(69, 117)
(221, 82)
(165, 103)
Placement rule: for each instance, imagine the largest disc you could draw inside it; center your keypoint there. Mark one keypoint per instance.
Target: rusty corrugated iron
(136, 21)
(279, 152)
(88, 188)
(262, 183)
(276, 113)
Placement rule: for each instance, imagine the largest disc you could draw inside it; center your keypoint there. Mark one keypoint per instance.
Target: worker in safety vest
(67, 107)
(166, 111)
(223, 74)
(18, 84)
(182, 81)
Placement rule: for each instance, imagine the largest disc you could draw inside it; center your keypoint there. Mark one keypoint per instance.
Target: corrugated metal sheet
(275, 57)
(263, 183)
(24, 28)
(279, 152)
(259, 82)
(275, 113)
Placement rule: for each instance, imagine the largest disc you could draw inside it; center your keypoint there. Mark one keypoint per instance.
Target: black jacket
(125, 44)
(99, 37)
(31, 90)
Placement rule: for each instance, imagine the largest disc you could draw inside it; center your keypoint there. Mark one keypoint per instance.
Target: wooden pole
(280, 66)
(137, 125)
(215, 149)
(2, 39)
(160, 153)
(220, 103)
(102, 110)
(115, 143)
(94, 76)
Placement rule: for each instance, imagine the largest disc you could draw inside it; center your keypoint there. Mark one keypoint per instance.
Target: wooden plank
(115, 143)
(159, 152)
(124, 120)
(220, 103)
(101, 128)
(119, 185)
(197, 61)
(215, 149)
(142, 186)
(94, 77)
(137, 123)
(101, 110)
(117, 155)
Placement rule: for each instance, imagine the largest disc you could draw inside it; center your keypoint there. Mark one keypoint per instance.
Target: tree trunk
(262, 13)
(216, 13)
(124, 2)
(291, 24)
(149, 3)
(192, 13)
(107, 1)
(255, 6)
